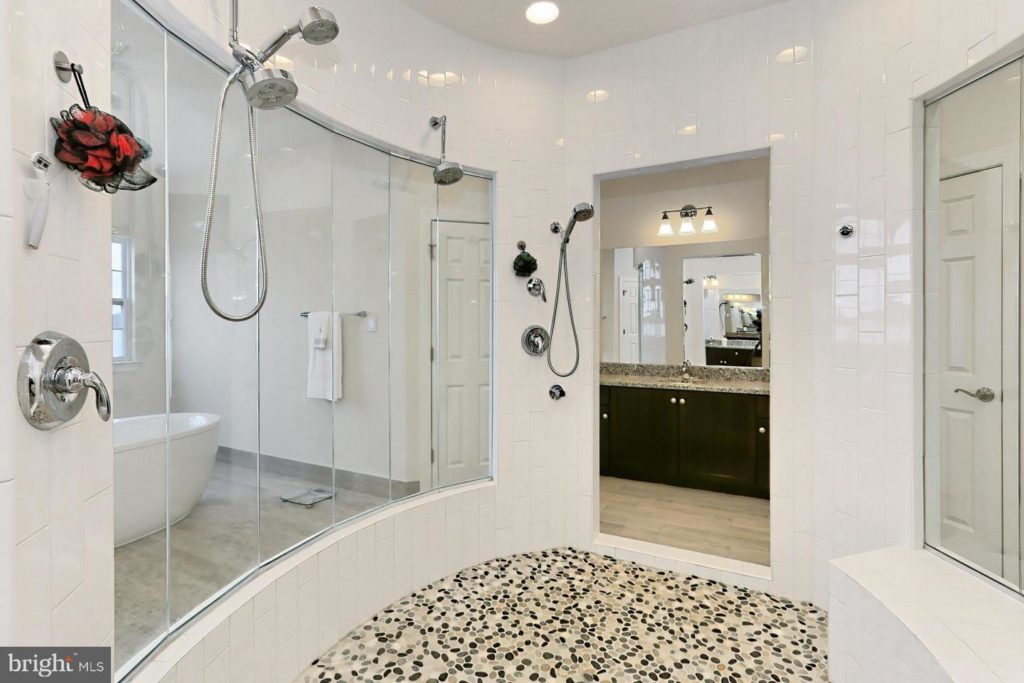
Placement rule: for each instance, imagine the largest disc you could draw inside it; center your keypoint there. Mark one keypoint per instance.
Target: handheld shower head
(580, 214)
(318, 26)
(446, 172)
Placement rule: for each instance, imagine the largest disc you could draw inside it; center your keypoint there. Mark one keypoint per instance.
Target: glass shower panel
(297, 335)
(139, 381)
(361, 288)
(972, 324)
(461, 307)
(413, 208)
(214, 363)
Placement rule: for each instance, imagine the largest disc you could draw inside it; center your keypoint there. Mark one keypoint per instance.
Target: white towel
(324, 346)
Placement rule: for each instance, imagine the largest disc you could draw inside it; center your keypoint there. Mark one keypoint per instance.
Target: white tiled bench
(904, 614)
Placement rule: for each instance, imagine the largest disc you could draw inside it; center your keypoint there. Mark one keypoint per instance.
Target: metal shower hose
(208, 229)
(563, 266)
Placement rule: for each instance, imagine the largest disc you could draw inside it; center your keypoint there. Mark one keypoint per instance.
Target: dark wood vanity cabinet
(719, 355)
(643, 434)
(697, 439)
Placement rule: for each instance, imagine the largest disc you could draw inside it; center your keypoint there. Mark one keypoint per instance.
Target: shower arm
(233, 31)
(271, 48)
(442, 123)
(255, 59)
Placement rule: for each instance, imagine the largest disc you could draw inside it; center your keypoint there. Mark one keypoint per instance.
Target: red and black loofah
(101, 149)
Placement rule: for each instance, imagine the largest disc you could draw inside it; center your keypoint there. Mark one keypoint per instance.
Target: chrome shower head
(269, 88)
(446, 172)
(580, 214)
(318, 26)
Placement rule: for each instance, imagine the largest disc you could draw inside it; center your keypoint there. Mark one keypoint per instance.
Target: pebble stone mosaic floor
(570, 616)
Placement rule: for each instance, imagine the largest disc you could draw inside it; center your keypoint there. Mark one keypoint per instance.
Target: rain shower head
(580, 214)
(446, 172)
(269, 88)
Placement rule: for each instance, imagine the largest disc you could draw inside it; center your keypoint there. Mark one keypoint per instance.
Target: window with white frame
(121, 251)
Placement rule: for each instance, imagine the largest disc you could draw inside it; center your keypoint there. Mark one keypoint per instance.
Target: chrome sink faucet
(686, 368)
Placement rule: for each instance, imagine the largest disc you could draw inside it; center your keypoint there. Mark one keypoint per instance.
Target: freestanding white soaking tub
(141, 481)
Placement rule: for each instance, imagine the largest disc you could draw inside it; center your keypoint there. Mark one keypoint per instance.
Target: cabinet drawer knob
(604, 416)
(682, 401)
(673, 399)
(761, 430)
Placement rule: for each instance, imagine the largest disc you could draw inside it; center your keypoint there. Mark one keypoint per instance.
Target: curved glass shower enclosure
(364, 379)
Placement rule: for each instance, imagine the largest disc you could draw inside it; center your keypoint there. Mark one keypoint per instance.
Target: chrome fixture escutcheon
(535, 286)
(535, 340)
(54, 379)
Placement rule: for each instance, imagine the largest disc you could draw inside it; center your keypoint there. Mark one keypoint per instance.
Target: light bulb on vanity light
(666, 226)
(686, 227)
(709, 225)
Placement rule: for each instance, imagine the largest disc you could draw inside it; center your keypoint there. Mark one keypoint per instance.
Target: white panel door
(462, 352)
(970, 358)
(629, 317)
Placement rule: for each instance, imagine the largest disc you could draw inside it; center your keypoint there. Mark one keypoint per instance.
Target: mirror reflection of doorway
(685, 349)
(972, 325)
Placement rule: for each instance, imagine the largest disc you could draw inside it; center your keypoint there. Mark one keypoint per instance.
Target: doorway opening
(685, 358)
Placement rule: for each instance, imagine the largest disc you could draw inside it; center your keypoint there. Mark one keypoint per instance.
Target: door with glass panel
(972, 325)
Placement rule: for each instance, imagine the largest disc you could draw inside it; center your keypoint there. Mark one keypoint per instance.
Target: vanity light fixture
(687, 214)
(542, 12)
(710, 225)
(686, 226)
(666, 226)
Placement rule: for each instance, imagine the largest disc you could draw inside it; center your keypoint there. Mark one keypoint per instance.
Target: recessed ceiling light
(688, 129)
(542, 12)
(791, 54)
(597, 96)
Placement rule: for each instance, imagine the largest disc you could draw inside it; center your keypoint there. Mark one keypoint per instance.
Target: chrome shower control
(535, 286)
(556, 392)
(54, 379)
(535, 340)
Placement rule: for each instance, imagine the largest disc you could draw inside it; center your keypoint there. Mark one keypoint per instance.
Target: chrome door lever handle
(983, 394)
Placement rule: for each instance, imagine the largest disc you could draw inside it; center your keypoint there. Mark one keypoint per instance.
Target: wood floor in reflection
(704, 521)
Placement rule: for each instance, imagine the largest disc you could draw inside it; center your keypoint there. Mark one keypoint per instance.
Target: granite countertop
(727, 380)
(731, 343)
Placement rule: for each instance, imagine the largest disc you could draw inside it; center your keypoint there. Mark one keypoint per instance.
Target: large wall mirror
(671, 297)
(685, 351)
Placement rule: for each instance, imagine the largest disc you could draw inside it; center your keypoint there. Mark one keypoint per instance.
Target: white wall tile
(845, 112)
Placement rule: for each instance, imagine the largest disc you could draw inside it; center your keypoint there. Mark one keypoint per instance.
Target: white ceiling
(583, 27)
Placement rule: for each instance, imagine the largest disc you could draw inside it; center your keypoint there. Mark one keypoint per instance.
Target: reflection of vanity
(733, 352)
(704, 429)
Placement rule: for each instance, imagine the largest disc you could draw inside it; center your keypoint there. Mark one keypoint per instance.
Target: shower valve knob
(556, 392)
(54, 379)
